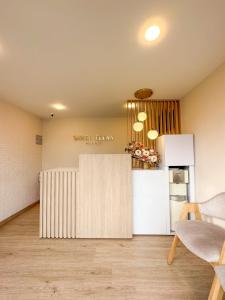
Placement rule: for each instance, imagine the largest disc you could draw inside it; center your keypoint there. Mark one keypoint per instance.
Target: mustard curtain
(162, 115)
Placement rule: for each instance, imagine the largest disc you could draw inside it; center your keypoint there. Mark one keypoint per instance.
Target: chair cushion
(220, 272)
(201, 238)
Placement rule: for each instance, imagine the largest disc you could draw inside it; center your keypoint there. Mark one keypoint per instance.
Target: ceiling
(90, 55)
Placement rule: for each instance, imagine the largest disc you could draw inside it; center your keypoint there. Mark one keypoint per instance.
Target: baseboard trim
(18, 213)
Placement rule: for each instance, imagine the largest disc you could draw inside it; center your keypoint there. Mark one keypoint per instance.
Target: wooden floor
(31, 268)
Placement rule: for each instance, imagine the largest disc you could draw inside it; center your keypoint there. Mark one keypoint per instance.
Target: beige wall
(203, 113)
(60, 149)
(20, 159)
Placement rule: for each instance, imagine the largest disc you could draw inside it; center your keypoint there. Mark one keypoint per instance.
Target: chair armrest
(190, 208)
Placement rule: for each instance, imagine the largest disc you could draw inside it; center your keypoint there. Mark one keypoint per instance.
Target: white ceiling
(89, 54)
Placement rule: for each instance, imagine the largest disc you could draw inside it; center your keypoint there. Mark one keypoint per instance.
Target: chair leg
(216, 292)
(172, 251)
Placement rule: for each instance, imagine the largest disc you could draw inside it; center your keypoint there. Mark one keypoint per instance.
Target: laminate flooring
(89, 269)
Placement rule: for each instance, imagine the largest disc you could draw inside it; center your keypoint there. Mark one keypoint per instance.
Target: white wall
(203, 113)
(20, 159)
(60, 149)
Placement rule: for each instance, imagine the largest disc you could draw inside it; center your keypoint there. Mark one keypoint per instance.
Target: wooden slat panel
(41, 205)
(61, 204)
(128, 126)
(161, 118)
(57, 204)
(69, 199)
(179, 117)
(172, 117)
(65, 191)
(48, 200)
(145, 138)
(52, 212)
(58, 199)
(44, 205)
(73, 204)
(162, 115)
(132, 121)
(104, 210)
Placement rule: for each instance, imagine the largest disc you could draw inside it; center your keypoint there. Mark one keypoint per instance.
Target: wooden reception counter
(104, 204)
(151, 207)
(94, 201)
(104, 198)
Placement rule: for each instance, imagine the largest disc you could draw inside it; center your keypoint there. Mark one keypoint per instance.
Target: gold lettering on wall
(93, 140)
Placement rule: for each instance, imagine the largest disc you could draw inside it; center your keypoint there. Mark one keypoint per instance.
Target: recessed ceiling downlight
(59, 106)
(152, 33)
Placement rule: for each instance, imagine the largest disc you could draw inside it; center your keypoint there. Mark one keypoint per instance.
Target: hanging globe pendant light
(138, 126)
(153, 134)
(142, 116)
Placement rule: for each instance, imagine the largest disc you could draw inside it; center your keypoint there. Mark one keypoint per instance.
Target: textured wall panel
(20, 159)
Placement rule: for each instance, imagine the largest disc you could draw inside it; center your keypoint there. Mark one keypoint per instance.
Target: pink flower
(145, 152)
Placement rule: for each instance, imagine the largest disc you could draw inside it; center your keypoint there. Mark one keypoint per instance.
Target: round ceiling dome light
(152, 33)
(142, 116)
(138, 126)
(153, 134)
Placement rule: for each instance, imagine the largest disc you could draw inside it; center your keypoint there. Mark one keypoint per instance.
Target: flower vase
(145, 165)
(153, 167)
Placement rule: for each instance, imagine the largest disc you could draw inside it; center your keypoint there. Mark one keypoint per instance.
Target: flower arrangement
(144, 154)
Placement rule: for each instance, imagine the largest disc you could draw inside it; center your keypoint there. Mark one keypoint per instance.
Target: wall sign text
(90, 140)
